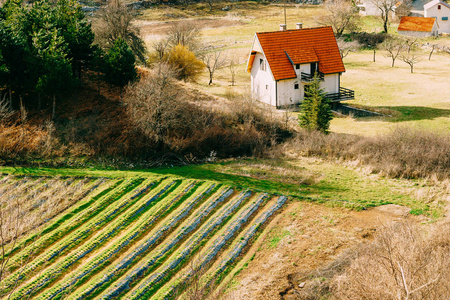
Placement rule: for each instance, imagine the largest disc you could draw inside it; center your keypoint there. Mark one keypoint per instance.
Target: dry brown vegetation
(404, 152)
(174, 121)
(404, 261)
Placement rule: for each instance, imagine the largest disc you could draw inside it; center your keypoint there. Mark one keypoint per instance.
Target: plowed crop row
(131, 238)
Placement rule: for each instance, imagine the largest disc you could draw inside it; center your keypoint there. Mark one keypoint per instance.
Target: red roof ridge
(284, 48)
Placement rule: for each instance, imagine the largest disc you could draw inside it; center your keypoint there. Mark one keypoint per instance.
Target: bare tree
(185, 33)
(233, 61)
(403, 263)
(370, 40)
(154, 103)
(116, 21)
(433, 47)
(346, 47)
(161, 48)
(411, 58)
(213, 60)
(386, 8)
(210, 3)
(394, 48)
(341, 15)
(403, 9)
(411, 44)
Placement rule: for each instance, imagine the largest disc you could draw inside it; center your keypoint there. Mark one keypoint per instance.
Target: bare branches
(411, 58)
(393, 47)
(346, 47)
(184, 33)
(341, 15)
(232, 66)
(386, 8)
(403, 263)
(116, 21)
(213, 60)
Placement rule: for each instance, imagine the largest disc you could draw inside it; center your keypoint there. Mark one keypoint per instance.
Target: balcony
(310, 77)
(344, 94)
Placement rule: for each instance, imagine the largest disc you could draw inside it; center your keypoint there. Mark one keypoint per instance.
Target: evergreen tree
(56, 74)
(120, 64)
(316, 111)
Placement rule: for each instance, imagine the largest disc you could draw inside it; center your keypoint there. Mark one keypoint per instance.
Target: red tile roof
(416, 24)
(301, 46)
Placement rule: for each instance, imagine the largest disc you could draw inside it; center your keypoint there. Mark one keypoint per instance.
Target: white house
(418, 26)
(369, 8)
(282, 63)
(441, 12)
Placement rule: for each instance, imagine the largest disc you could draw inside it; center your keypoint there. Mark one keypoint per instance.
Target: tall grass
(404, 152)
(402, 263)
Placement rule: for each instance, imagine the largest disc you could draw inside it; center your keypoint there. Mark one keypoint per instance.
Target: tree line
(45, 45)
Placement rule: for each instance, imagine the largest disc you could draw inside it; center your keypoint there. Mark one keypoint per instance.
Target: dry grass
(403, 263)
(402, 153)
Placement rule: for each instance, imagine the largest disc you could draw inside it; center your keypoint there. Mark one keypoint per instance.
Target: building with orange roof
(418, 26)
(282, 63)
(440, 11)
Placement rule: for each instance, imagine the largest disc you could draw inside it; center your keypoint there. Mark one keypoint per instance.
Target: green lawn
(305, 179)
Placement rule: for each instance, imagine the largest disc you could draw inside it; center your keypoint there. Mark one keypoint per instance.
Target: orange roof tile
(301, 46)
(416, 24)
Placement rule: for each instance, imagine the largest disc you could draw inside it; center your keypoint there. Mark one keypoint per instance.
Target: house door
(313, 68)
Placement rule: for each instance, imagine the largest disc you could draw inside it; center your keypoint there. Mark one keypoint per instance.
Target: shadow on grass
(408, 113)
(207, 172)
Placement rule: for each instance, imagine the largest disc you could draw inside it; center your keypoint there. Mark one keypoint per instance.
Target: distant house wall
(442, 16)
(263, 85)
(418, 33)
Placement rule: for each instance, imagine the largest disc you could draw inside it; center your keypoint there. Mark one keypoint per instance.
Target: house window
(267, 86)
(297, 66)
(439, 6)
(444, 18)
(296, 86)
(262, 64)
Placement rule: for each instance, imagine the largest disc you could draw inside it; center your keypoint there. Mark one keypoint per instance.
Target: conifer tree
(316, 111)
(120, 64)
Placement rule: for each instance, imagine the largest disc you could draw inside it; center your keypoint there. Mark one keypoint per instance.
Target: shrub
(188, 66)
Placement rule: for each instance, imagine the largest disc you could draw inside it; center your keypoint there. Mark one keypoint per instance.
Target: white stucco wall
(287, 95)
(434, 12)
(330, 83)
(263, 85)
(417, 33)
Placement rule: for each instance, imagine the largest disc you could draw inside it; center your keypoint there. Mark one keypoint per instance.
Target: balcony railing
(344, 94)
(310, 77)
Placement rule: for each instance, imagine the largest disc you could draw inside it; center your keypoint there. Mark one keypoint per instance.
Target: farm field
(142, 234)
(129, 238)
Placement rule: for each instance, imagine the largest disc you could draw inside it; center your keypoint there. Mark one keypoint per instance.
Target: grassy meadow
(407, 99)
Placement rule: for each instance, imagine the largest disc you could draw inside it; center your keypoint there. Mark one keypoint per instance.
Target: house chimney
(299, 25)
(282, 27)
